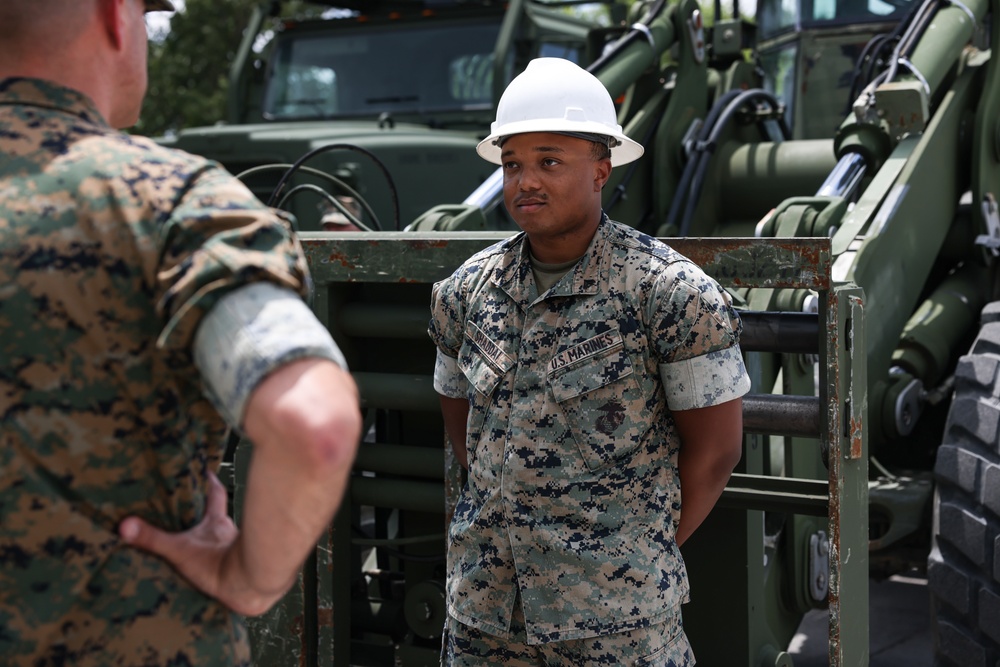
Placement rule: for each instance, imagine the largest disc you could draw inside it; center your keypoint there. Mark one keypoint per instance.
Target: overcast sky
(157, 23)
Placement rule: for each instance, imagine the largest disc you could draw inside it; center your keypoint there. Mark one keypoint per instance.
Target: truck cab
(393, 96)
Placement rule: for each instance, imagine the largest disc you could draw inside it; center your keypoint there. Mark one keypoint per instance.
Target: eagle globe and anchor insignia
(614, 415)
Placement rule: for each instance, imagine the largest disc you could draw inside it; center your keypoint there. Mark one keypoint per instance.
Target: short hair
(600, 151)
(29, 21)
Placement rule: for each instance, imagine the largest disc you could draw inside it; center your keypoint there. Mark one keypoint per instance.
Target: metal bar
(426, 257)
(397, 493)
(779, 332)
(779, 414)
(844, 383)
(489, 193)
(776, 494)
(371, 320)
(845, 177)
(397, 391)
(401, 460)
(766, 331)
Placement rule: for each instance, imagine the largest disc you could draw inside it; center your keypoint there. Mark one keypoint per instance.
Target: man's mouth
(529, 202)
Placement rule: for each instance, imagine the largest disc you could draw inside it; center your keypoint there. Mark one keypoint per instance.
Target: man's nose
(528, 180)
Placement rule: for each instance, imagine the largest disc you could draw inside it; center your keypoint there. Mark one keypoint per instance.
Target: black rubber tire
(963, 568)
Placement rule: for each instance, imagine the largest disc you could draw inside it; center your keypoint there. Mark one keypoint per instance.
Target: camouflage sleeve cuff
(250, 332)
(706, 380)
(449, 380)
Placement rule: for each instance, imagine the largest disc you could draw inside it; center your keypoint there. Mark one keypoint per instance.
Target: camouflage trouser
(661, 645)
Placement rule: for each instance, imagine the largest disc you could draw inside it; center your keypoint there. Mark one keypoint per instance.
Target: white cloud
(158, 23)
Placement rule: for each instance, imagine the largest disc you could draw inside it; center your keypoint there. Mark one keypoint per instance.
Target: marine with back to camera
(147, 302)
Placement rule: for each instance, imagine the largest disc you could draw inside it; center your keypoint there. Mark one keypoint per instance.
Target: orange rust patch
(856, 438)
(421, 245)
(342, 259)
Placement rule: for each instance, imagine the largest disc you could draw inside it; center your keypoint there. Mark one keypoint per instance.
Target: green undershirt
(547, 275)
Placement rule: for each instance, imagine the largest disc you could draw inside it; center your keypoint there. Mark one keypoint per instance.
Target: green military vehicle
(835, 164)
(405, 87)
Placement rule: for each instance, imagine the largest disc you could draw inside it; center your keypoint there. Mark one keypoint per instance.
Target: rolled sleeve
(706, 380)
(248, 334)
(449, 380)
(446, 324)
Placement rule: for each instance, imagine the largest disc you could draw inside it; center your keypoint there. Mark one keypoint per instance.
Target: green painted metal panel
(425, 257)
(372, 592)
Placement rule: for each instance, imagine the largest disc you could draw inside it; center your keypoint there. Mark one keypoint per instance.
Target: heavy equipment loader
(834, 164)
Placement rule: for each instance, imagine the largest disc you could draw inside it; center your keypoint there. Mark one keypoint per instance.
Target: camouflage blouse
(111, 250)
(573, 495)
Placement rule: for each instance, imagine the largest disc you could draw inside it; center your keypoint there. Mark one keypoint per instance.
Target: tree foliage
(189, 68)
(189, 65)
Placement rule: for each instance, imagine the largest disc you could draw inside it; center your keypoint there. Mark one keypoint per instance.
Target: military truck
(836, 165)
(402, 87)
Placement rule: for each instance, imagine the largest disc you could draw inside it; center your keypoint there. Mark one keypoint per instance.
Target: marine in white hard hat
(557, 95)
(580, 364)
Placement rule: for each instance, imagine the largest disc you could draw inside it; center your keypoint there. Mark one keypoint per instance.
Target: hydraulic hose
(694, 172)
(488, 195)
(632, 35)
(689, 168)
(332, 147)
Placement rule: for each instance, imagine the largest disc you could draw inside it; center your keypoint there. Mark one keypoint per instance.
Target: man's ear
(602, 173)
(113, 20)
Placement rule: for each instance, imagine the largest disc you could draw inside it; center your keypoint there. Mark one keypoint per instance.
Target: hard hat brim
(626, 152)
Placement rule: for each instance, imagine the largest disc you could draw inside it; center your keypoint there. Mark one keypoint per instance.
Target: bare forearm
(304, 446)
(711, 446)
(702, 484)
(456, 414)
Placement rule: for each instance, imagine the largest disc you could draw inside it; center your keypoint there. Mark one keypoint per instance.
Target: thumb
(217, 503)
(136, 532)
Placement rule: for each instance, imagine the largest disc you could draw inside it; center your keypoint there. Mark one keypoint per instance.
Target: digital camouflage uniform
(573, 496)
(111, 250)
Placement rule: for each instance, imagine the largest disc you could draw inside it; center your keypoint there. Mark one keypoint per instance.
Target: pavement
(899, 627)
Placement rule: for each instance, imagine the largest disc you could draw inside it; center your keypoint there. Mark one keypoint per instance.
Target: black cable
(315, 189)
(728, 113)
(630, 37)
(916, 25)
(861, 74)
(331, 147)
(872, 52)
(322, 174)
(694, 177)
(699, 146)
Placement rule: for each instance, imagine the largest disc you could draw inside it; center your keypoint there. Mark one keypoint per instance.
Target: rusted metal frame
(333, 597)
(741, 262)
(430, 256)
(843, 385)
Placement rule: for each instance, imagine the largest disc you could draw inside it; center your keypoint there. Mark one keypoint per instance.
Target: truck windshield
(776, 16)
(402, 68)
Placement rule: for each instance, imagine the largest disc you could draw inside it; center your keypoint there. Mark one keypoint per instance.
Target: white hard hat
(557, 95)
